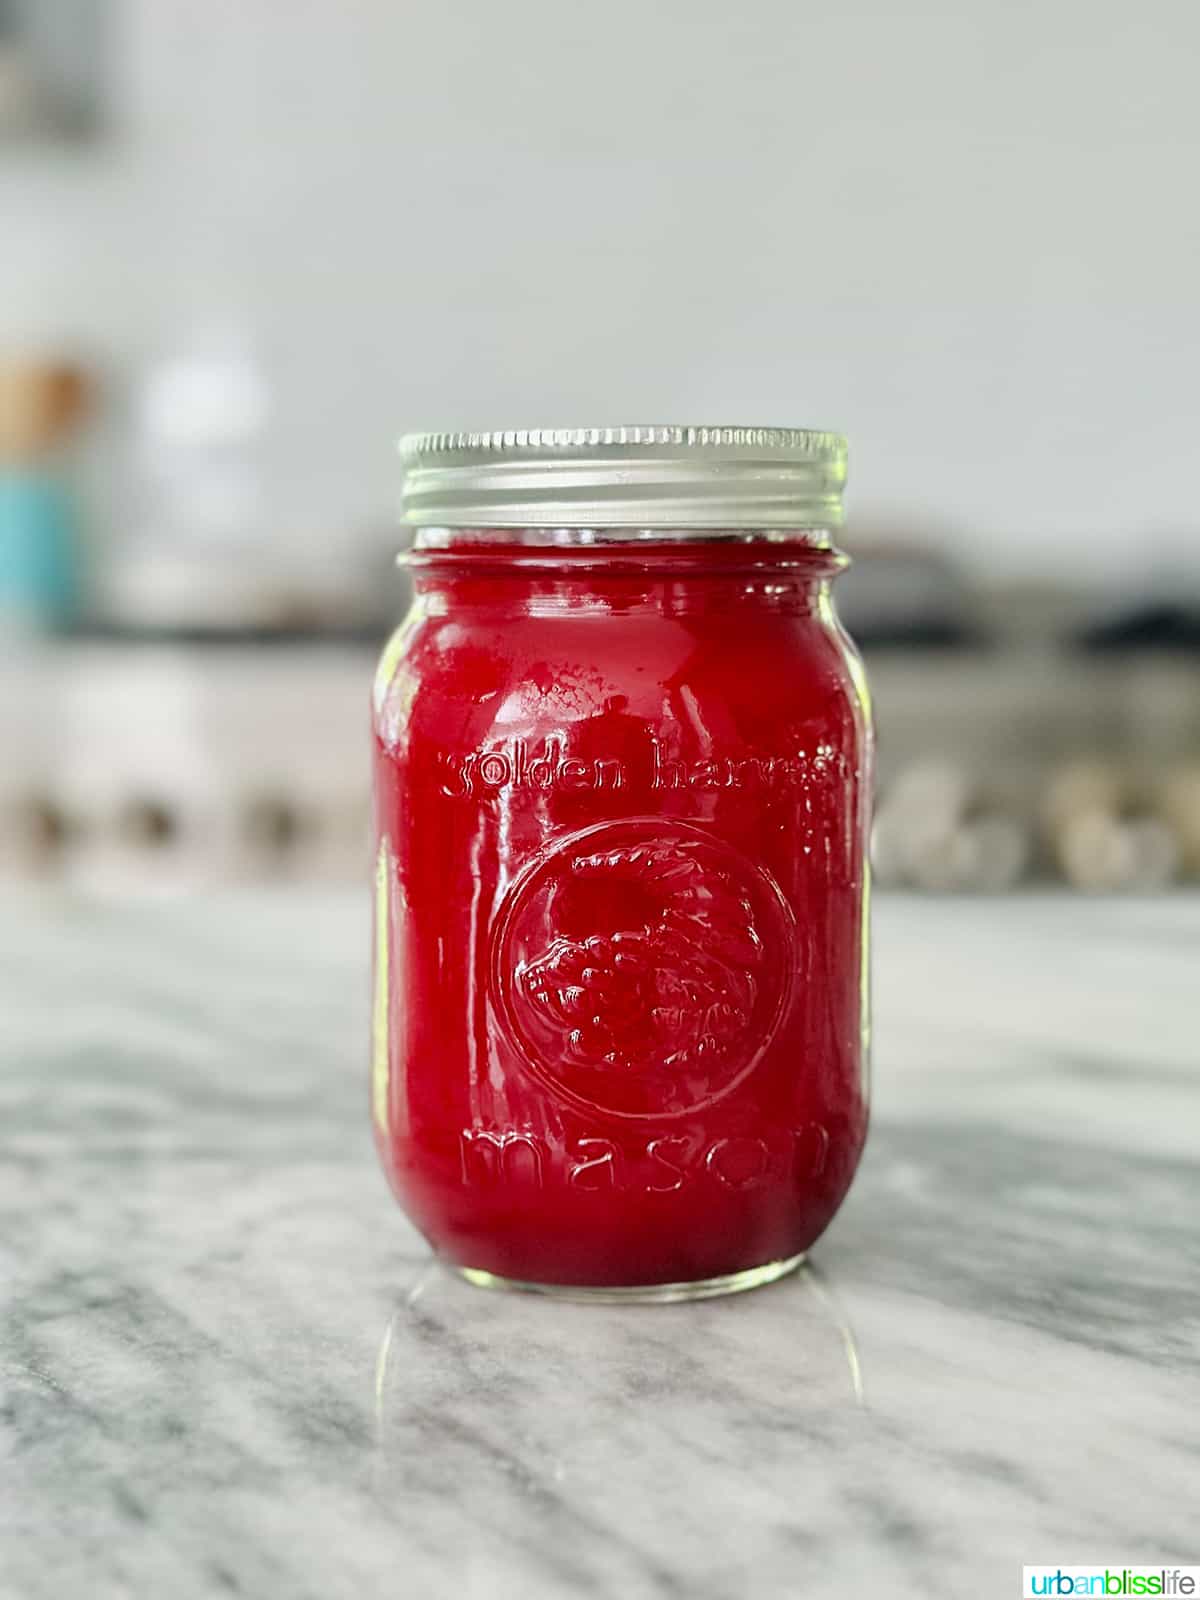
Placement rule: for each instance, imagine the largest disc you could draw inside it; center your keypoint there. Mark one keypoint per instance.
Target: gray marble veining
(227, 1366)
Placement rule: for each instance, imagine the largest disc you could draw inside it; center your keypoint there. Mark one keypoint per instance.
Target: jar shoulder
(753, 681)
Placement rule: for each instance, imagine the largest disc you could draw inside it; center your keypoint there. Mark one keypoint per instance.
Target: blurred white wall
(966, 233)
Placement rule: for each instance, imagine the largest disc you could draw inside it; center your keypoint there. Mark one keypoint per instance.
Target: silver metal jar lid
(644, 477)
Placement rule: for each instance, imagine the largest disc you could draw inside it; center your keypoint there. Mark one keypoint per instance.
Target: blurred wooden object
(41, 401)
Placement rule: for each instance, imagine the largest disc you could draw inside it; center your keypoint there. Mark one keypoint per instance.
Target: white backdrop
(966, 233)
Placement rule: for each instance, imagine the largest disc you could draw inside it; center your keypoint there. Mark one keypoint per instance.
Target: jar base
(641, 1293)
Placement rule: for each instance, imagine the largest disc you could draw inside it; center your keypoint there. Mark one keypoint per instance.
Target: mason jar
(622, 790)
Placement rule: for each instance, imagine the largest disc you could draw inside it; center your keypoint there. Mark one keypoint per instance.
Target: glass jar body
(620, 1013)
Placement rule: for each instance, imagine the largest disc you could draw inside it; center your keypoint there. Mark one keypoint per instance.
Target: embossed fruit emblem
(642, 966)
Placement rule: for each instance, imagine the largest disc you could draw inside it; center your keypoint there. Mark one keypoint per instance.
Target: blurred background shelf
(179, 760)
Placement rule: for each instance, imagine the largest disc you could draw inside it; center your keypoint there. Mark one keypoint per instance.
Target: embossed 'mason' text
(518, 764)
(495, 1158)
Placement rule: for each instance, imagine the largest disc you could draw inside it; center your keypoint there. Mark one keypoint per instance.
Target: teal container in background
(39, 549)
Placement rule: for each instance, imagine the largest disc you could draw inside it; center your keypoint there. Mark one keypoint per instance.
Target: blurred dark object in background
(905, 593)
(52, 60)
(1154, 622)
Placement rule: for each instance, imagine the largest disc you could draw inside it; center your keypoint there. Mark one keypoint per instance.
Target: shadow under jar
(622, 787)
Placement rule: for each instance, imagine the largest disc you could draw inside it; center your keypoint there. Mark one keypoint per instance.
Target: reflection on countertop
(229, 1366)
(568, 1413)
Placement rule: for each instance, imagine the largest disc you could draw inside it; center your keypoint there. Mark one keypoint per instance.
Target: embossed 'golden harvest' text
(523, 764)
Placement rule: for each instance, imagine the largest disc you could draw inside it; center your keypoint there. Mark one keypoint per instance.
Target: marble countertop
(228, 1368)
